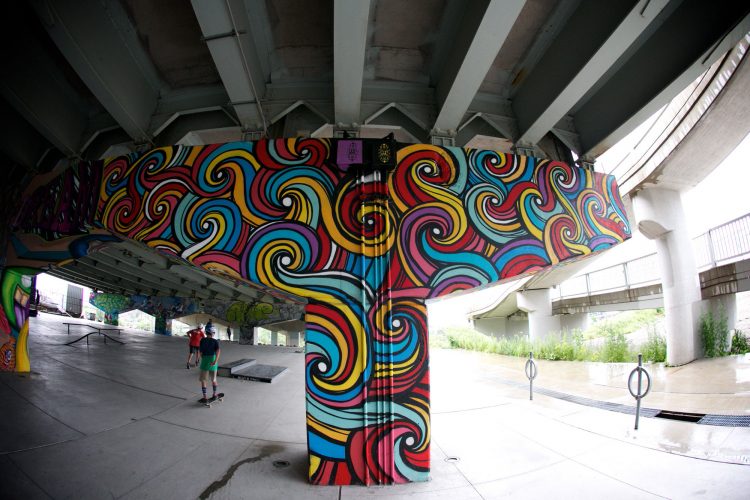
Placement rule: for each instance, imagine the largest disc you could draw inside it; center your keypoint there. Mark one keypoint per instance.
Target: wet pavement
(112, 421)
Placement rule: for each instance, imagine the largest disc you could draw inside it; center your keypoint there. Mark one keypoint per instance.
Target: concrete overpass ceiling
(584, 71)
(171, 35)
(528, 39)
(403, 45)
(302, 36)
(671, 61)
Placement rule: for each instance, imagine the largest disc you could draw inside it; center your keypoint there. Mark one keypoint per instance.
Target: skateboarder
(210, 352)
(229, 334)
(196, 334)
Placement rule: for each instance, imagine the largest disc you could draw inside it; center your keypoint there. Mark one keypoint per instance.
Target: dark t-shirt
(209, 346)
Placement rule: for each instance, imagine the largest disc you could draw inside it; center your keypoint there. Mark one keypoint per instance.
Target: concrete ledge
(229, 369)
(260, 373)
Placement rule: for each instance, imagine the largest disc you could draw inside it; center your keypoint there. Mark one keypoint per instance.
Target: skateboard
(209, 401)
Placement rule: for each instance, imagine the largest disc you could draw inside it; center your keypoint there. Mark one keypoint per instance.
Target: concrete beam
(461, 80)
(350, 22)
(110, 256)
(671, 59)
(103, 272)
(100, 43)
(635, 23)
(227, 32)
(21, 142)
(32, 83)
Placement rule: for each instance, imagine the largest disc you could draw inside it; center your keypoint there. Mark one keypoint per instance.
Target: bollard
(531, 373)
(637, 395)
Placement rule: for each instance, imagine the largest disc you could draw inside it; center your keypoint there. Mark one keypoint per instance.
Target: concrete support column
(538, 305)
(292, 339)
(661, 218)
(571, 322)
(112, 318)
(162, 325)
(274, 337)
(247, 335)
(495, 327)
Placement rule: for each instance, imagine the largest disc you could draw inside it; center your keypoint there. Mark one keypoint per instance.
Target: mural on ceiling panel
(365, 241)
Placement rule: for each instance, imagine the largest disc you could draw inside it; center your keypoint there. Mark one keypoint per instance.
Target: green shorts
(206, 363)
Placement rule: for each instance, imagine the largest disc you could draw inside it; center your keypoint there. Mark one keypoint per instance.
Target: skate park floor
(122, 421)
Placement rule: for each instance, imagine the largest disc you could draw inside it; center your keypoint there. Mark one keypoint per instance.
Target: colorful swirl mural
(365, 244)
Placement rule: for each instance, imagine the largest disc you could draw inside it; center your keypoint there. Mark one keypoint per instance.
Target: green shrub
(714, 334)
(615, 349)
(740, 343)
(655, 348)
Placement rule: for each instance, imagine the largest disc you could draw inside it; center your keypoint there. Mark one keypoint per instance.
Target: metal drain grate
(726, 420)
(602, 405)
(682, 416)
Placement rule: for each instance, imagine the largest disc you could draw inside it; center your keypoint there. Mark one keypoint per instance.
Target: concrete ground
(111, 421)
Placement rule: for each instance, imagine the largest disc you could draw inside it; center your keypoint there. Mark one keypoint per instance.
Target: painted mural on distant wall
(168, 308)
(365, 242)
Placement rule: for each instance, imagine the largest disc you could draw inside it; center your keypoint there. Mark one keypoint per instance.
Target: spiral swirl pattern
(366, 249)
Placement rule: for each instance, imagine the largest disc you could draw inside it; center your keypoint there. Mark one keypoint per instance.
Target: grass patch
(570, 347)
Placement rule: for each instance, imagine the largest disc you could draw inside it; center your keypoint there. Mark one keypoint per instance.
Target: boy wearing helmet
(210, 351)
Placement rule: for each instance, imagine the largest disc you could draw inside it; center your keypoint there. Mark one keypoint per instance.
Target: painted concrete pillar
(247, 334)
(661, 218)
(112, 318)
(363, 249)
(14, 319)
(274, 337)
(538, 305)
(162, 325)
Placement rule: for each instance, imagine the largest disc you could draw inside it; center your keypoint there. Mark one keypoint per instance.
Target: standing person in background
(195, 335)
(229, 334)
(210, 352)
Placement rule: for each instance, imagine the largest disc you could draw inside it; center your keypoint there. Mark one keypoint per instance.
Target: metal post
(710, 244)
(531, 372)
(637, 395)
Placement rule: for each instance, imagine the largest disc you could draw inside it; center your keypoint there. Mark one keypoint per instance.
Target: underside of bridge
(91, 79)
(120, 173)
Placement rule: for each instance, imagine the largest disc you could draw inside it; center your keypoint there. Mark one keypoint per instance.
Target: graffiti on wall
(66, 204)
(16, 286)
(365, 244)
(167, 308)
(365, 247)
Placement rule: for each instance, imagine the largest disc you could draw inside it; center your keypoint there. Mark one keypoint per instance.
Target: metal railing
(721, 245)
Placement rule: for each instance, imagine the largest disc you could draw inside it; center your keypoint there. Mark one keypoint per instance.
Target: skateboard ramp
(260, 373)
(230, 369)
